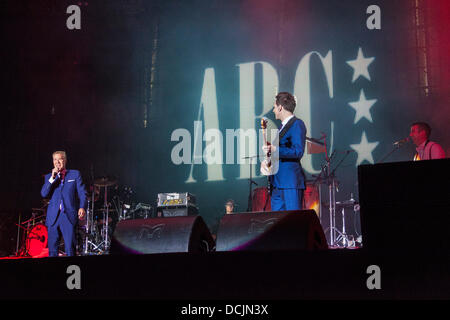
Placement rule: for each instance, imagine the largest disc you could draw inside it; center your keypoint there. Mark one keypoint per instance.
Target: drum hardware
(356, 219)
(328, 177)
(343, 236)
(105, 183)
(22, 252)
(125, 212)
(88, 226)
(140, 211)
(89, 232)
(18, 236)
(144, 211)
(96, 232)
(251, 182)
(107, 209)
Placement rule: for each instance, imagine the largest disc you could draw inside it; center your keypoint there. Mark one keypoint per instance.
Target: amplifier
(177, 211)
(184, 199)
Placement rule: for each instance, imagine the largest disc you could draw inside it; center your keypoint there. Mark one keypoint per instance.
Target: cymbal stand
(332, 202)
(105, 241)
(89, 246)
(88, 237)
(342, 235)
(18, 235)
(118, 206)
(330, 181)
(22, 251)
(251, 182)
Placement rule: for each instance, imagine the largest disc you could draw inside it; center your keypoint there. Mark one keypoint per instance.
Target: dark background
(111, 93)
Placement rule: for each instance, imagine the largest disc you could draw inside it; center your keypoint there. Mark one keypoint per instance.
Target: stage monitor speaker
(162, 235)
(269, 231)
(405, 206)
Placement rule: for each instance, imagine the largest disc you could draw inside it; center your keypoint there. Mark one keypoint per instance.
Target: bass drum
(261, 200)
(37, 241)
(311, 198)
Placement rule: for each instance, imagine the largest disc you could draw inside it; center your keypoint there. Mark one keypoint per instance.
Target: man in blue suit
(289, 181)
(67, 204)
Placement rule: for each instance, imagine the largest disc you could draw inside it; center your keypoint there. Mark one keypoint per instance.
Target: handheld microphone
(56, 174)
(400, 142)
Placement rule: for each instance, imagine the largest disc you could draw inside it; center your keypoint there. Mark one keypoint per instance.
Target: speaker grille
(263, 231)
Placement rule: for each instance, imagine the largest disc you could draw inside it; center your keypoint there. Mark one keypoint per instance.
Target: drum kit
(94, 233)
(35, 234)
(337, 238)
(107, 205)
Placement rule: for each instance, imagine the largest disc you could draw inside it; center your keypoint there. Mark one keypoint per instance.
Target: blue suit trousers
(67, 230)
(286, 199)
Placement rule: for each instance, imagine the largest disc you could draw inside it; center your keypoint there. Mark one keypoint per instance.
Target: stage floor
(275, 275)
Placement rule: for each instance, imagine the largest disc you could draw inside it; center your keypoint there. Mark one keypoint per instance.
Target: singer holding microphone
(67, 204)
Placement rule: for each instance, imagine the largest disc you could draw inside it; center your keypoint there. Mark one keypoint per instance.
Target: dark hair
(423, 126)
(286, 100)
(230, 202)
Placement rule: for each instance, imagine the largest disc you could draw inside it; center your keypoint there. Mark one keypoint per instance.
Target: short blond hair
(62, 153)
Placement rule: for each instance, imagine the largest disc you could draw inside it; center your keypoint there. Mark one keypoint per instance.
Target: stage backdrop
(167, 96)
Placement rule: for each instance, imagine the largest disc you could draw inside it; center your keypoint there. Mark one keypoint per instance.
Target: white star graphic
(364, 149)
(360, 66)
(362, 107)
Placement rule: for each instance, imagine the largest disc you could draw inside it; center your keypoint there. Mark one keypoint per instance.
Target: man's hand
(81, 213)
(265, 170)
(54, 172)
(270, 147)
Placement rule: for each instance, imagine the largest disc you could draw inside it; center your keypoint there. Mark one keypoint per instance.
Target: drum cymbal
(346, 202)
(104, 210)
(105, 182)
(89, 196)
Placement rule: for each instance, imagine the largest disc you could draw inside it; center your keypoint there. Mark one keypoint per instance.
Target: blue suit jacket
(290, 173)
(72, 193)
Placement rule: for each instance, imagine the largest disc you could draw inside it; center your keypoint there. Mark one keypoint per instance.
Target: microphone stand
(251, 182)
(396, 147)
